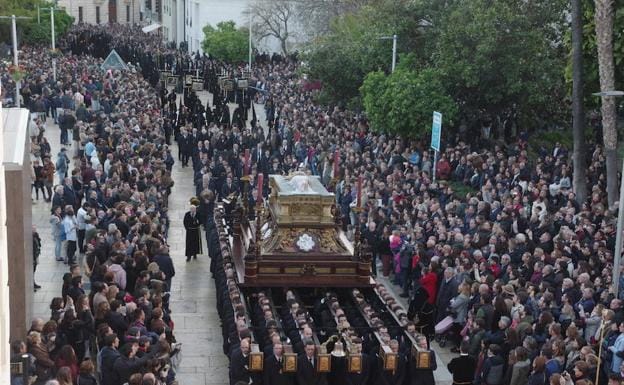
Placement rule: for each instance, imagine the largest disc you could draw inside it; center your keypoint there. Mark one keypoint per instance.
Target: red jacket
(429, 282)
(443, 169)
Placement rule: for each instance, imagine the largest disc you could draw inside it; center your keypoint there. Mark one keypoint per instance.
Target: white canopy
(151, 27)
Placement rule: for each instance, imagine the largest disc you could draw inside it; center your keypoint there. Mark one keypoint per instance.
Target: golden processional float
(294, 247)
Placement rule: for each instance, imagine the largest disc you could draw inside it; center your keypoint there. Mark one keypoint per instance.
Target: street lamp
(250, 19)
(394, 48)
(53, 40)
(15, 60)
(620, 220)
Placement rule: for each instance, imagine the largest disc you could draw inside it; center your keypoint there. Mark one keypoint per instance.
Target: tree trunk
(604, 39)
(579, 182)
(284, 47)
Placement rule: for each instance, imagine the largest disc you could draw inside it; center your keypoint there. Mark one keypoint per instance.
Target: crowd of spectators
(521, 267)
(108, 189)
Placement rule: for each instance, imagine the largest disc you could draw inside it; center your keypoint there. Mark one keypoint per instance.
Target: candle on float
(359, 191)
(246, 165)
(260, 182)
(336, 163)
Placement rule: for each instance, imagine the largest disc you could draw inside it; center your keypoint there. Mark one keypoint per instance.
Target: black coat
(462, 368)
(239, 370)
(422, 376)
(193, 240)
(361, 377)
(447, 291)
(165, 264)
(307, 374)
(273, 372)
(389, 377)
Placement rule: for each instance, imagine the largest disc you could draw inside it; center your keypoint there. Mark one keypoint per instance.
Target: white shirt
(80, 218)
(71, 225)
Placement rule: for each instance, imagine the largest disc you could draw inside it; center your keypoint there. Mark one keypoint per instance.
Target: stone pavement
(193, 304)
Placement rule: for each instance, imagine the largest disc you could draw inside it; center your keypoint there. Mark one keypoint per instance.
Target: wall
(17, 235)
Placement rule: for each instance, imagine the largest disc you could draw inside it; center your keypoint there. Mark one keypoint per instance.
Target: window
(97, 15)
(79, 14)
(127, 13)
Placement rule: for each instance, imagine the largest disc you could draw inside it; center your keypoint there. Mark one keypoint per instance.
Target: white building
(110, 11)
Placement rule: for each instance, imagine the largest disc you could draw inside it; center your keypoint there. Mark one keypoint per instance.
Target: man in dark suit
(361, 377)
(462, 367)
(397, 376)
(228, 187)
(307, 373)
(239, 363)
(448, 290)
(273, 373)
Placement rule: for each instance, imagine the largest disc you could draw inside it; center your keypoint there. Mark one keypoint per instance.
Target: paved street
(193, 304)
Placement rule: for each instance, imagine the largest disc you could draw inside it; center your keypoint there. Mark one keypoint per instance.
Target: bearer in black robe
(421, 367)
(225, 115)
(193, 240)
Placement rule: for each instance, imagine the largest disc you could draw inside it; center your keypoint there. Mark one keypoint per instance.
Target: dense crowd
(517, 267)
(108, 188)
(522, 269)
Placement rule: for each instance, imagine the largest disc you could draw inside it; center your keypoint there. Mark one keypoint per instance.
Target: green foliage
(502, 56)
(591, 78)
(342, 58)
(226, 42)
(493, 58)
(403, 102)
(29, 31)
(548, 139)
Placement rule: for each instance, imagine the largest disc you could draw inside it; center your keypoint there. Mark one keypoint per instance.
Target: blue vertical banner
(436, 131)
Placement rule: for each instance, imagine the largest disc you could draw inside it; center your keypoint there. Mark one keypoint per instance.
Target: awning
(151, 28)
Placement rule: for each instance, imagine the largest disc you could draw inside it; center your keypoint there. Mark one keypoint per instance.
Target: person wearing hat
(192, 223)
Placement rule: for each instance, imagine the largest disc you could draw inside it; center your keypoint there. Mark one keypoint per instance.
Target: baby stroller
(443, 330)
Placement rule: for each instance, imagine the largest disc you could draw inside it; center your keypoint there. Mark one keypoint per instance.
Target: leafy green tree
(342, 58)
(502, 57)
(29, 31)
(403, 102)
(590, 51)
(226, 42)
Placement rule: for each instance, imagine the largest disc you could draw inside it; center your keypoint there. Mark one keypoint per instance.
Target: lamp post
(394, 48)
(620, 220)
(15, 59)
(250, 19)
(51, 9)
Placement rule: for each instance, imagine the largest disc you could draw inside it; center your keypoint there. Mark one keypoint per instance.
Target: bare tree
(578, 114)
(273, 18)
(315, 16)
(604, 37)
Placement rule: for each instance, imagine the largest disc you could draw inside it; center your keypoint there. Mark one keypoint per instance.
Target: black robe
(422, 376)
(193, 240)
(273, 374)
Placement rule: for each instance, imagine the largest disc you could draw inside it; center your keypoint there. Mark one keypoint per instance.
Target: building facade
(111, 11)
